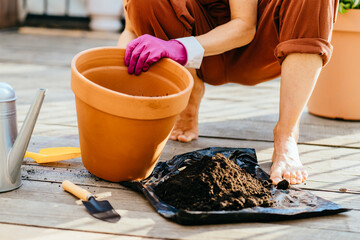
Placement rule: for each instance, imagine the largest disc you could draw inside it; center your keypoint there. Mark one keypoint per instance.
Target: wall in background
(98, 15)
(72, 8)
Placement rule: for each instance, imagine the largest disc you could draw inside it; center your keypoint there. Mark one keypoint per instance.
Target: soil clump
(283, 185)
(214, 184)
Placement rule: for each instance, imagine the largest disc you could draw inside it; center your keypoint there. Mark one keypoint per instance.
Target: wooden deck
(230, 115)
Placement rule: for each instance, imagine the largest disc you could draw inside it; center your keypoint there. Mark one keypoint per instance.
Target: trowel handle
(76, 190)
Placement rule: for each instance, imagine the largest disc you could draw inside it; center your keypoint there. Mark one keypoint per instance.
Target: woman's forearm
(126, 37)
(238, 32)
(128, 34)
(233, 34)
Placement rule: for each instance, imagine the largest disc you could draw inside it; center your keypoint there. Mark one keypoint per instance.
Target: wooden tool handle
(75, 190)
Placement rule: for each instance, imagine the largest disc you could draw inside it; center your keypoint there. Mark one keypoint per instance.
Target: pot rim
(73, 66)
(148, 107)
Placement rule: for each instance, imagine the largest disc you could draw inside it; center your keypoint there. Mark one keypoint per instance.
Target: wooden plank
(82, 176)
(53, 130)
(125, 198)
(69, 33)
(45, 50)
(317, 159)
(345, 134)
(351, 201)
(40, 209)
(329, 168)
(252, 112)
(41, 233)
(336, 186)
(60, 114)
(121, 197)
(233, 129)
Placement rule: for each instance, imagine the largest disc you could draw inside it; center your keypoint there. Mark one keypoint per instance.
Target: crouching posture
(237, 41)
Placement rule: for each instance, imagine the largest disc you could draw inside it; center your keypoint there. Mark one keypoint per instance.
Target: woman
(240, 41)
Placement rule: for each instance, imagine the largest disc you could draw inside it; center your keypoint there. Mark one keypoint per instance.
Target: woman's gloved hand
(146, 50)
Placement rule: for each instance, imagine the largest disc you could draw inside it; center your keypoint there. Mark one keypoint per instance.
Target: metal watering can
(13, 145)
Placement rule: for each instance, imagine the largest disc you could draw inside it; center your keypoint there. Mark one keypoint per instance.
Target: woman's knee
(308, 13)
(307, 31)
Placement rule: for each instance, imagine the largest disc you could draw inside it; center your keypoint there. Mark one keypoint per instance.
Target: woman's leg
(303, 50)
(187, 126)
(292, 39)
(299, 73)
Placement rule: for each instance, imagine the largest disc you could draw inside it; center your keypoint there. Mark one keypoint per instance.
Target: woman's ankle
(283, 133)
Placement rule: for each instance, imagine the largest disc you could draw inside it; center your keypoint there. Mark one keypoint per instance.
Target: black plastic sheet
(292, 203)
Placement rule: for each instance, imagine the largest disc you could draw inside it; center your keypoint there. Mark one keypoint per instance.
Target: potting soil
(213, 184)
(219, 189)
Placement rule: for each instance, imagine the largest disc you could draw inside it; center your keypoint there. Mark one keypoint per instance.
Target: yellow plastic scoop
(47, 155)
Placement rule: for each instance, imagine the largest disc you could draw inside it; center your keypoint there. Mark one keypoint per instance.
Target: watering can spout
(21, 143)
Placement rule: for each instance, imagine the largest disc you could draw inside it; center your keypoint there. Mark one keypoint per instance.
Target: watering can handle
(76, 190)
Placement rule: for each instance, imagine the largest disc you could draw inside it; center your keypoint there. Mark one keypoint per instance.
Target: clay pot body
(125, 120)
(337, 92)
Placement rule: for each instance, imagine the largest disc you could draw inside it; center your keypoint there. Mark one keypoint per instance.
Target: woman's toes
(275, 175)
(184, 138)
(187, 136)
(293, 179)
(276, 180)
(299, 177)
(305, 175)
(287, 176)
(174, 135)
(299, 180)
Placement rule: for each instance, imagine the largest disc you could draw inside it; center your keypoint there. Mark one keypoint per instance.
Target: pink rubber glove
(146, 50)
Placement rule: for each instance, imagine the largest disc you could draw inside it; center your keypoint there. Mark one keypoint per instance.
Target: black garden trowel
(98, 209)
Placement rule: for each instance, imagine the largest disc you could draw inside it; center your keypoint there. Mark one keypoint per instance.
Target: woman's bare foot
(299, 72)
(187, 127)
(286, 163)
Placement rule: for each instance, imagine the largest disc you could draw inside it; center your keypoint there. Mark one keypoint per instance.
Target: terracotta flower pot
(125, 120)
(337, 92)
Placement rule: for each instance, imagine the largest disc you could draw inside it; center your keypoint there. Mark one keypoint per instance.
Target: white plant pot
(105, 15)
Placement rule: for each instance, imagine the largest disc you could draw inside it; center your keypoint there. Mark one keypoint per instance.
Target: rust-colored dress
(283, 27)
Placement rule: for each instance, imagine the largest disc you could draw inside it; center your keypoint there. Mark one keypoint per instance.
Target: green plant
(344, 5)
